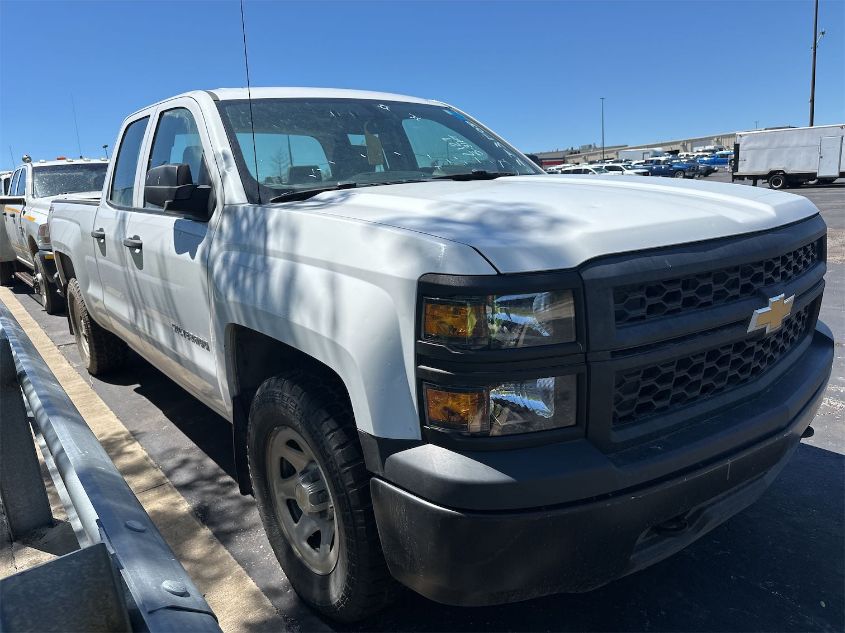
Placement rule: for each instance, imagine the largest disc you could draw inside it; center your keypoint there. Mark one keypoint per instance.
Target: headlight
(500, 321)
(509, 408)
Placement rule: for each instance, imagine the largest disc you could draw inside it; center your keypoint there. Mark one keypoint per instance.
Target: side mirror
(171, 187)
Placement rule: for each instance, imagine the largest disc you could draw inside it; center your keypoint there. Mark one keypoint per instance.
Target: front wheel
(313, 494)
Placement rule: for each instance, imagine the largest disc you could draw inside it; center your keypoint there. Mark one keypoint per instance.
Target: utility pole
(813, 79)
(602, 126)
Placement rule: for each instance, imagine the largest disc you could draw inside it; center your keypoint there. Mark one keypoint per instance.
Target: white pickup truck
(32, 188)
(441, 365)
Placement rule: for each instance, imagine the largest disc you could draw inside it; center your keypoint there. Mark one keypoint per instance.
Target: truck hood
(531, 223)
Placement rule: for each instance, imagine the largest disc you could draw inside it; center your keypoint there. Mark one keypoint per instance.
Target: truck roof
(63, 161)
(293, 92)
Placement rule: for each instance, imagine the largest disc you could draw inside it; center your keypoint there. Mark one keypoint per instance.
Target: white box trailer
(790, 156)
(640, 153)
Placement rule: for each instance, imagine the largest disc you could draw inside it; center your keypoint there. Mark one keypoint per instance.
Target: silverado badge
(772, 316)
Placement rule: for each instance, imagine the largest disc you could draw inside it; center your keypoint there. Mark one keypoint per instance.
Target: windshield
(304, 144)
(53, 180)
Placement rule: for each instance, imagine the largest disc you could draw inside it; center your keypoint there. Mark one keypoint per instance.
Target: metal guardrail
(125, 576)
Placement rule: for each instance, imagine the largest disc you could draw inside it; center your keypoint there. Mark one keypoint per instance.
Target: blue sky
(532, 71)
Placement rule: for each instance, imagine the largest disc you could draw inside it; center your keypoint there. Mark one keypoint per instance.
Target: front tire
(101, 351)
(313, 493)
(47, 292)
(7, 273)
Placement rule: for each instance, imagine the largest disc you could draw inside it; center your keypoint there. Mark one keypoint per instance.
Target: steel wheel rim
(39, 282)
(81, 332)
(302, 502)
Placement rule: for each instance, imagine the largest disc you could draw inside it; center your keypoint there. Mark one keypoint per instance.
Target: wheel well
(64, 265)
(33, 247)
(255, 357)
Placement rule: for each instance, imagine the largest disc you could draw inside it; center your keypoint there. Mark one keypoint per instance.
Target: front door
(830, 152)
(168, 267)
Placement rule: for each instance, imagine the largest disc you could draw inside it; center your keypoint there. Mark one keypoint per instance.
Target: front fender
(341, 291)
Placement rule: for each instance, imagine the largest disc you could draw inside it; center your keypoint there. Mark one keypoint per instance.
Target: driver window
(177, 141)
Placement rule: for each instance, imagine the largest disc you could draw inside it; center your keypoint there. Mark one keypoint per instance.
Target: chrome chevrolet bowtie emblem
(772, 316)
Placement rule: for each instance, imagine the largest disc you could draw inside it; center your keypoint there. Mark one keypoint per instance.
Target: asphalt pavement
(778, 566)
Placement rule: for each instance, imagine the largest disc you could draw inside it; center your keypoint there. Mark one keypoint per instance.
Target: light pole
(602, 126)
(813, 79)
(106, 149)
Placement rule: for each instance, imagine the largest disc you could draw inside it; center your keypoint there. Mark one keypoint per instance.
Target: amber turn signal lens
(462, 321)
(458, 410)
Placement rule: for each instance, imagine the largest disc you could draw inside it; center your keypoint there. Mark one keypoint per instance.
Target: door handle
(133, 242)
(98, 234)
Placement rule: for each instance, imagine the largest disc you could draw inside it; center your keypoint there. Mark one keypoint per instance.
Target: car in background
(555, 169)
(624, 169)
(705, 169)
(671, 167)
(594, 170)
(719, 159)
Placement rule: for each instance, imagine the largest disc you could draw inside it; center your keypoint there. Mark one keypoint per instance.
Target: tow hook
(675, 525)
(808, 432)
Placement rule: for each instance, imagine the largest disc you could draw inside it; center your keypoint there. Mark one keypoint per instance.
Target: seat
(302, 174)
(193, 156)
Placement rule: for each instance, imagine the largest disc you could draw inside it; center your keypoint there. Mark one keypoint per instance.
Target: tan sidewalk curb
(236, 600)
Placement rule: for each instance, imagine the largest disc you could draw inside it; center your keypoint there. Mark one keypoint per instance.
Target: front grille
(647, 391)
(652, 300)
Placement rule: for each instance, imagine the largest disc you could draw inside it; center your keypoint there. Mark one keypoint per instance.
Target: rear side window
(126, 164)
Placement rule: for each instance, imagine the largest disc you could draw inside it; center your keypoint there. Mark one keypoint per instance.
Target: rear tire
(7, 273)
(47, 292)
(680, 174)
(288, 411)
(101, 351)
(778, 181)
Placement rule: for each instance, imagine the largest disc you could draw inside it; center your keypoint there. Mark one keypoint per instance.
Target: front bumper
(449, 537)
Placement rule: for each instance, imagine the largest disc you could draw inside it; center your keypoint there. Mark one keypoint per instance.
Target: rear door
(16, 235)
(111, 227)
(168, 271)
(9, 211)
(830, 151)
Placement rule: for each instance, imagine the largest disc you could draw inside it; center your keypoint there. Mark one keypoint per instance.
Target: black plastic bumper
(488, 556)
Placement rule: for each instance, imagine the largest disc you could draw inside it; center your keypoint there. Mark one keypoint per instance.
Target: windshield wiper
(475, 174)
(304, 194)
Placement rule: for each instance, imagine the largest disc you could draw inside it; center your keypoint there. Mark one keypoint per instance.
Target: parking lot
(779, 565)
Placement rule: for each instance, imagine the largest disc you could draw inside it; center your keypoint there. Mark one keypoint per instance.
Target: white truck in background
(790, 157)
(24, 247)
(441, 365)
